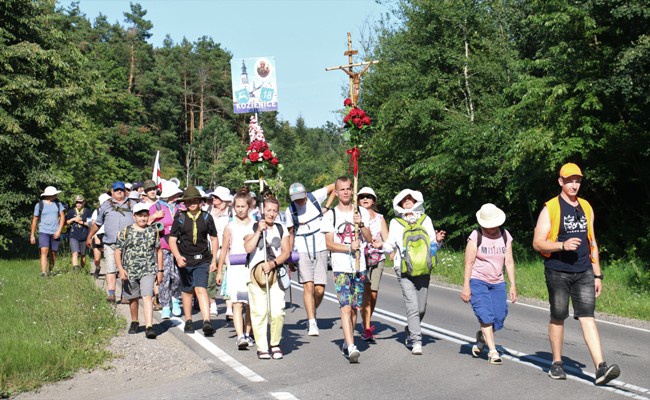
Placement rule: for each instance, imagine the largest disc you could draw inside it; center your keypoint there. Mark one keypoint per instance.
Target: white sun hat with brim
(169, 189)
(103, 198)
(203, 193)
(367, 190)
(50, 191)
(418, 207)
(140, 207)
(223, 193)
(490, 216)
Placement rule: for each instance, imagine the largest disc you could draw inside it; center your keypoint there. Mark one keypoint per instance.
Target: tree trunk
(468, 92)
(132, 67)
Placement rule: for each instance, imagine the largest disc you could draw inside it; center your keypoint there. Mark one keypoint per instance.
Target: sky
(304, 36)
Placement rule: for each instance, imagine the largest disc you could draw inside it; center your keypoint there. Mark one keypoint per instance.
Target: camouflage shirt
(138, 250)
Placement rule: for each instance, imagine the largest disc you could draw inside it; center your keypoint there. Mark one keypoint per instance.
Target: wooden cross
(355, 77)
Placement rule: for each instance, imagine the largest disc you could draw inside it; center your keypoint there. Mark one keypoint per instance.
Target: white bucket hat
(222, 193)
(418, 207)
(169, 189)
(367, 190)
(50, 191)
(490, 216)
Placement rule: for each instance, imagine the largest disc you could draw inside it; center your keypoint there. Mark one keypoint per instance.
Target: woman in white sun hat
(488, 250)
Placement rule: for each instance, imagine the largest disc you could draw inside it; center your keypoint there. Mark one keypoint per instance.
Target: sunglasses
(365, 196)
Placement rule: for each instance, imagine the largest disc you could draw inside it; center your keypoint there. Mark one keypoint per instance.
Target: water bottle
(433, 248)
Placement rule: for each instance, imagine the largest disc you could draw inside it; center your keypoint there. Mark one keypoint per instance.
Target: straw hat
(259, 277)
(490, 216)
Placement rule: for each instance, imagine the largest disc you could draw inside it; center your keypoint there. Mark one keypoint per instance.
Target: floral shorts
(349, 288)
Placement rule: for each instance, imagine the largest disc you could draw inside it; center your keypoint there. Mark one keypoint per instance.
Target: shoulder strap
(158, 207)
(402, 222)
(313, 200)
(479, 237)
(294, 216)
(206, 215)
(40, 209)
(504, 236)
(280, 229)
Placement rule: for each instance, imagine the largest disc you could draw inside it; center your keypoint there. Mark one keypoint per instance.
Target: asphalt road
(314, 368)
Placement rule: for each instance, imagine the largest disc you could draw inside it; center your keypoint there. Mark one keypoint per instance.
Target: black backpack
(58, 203)
(479, 237)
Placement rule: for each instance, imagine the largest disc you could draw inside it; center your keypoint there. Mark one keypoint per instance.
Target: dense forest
(472, 102)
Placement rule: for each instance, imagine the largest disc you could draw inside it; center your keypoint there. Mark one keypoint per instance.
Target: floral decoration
(258, 154)
(356, 122)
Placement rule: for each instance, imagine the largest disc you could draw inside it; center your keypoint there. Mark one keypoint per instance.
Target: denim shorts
(349, 288)
(489, 302)
(196, 276)
(577, 286)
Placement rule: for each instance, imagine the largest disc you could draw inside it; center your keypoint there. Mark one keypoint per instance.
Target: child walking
(138, 258)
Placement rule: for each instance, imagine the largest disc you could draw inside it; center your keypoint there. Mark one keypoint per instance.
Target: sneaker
(189, 326)
(368, 335)
(251, 341)
(166, 313)
(494, 358)
(111, 298)
(242, 343)
(208, 330)
(213, 309)
(276, 353)
(133, 328)
(176, 307)
(313, 329)
(605, 374)
(417, 349)
(478, 347)
(557, 371)
(96, 273)
(149, 332)
(156, 304)
(229, 314)
(353, 354)
(263, 355)
(43, 274)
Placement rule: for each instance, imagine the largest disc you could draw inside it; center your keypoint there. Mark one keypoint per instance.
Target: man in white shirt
(303, 219)
(338, 227)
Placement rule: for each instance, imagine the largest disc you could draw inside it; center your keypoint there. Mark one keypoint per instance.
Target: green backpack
(416, 256)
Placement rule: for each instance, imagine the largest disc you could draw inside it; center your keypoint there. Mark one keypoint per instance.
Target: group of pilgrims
(178, 249)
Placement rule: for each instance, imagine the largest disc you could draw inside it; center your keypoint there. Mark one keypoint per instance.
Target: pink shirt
(167, 220)
(490, 258)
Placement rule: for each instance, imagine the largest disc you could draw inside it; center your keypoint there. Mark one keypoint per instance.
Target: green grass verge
(50, 327)
(626, 288)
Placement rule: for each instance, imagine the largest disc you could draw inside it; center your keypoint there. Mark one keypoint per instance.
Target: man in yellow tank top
(564, 235)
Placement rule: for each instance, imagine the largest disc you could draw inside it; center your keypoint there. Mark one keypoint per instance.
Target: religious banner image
(254, 86)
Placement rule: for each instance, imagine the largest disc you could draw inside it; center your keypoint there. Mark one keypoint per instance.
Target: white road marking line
(514, 355)
(600, 321)
(283, 396)
(220, 354)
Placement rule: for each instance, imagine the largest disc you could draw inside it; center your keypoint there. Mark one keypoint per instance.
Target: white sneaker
(313, 329)
(353, 354)
(417, 349)
(213, 309)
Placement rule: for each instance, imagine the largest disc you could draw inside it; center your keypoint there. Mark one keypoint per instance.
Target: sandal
(263, 355)
(276, 353)
(478, 347)
(494, 358)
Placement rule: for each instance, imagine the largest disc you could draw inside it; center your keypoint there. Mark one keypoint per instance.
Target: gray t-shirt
(49, 217)
(114, 217)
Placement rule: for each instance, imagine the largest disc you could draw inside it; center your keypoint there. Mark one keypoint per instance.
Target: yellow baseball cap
(570, 169)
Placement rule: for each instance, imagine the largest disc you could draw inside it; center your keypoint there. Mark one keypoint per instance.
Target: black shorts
(578, 286)
(99, 246)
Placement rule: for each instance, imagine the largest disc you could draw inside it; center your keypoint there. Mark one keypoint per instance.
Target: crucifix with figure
(355, 77)
(355, 84)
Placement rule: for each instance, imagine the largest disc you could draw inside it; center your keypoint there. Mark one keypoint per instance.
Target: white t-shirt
(274, 243)
(344, 234)
(308, 212)
(396, 238)
(238, 231)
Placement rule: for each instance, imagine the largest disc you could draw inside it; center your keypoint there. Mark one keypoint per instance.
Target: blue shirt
(50, 217)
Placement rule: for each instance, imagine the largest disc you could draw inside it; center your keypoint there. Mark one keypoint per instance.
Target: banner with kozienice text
(254, 86)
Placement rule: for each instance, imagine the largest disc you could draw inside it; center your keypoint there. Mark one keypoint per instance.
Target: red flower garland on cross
(356, 123)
